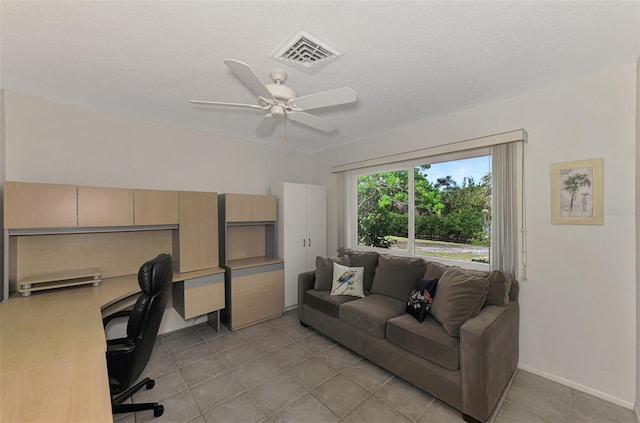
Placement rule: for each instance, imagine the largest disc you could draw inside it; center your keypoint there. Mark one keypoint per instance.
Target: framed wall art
(576, 193)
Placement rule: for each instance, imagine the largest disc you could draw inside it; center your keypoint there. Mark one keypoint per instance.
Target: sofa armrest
(306, 281)
(488, 357)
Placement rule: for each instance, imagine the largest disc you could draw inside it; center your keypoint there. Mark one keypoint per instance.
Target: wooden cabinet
(250, 208)
(32, 205)
(105, 207)
(254, 275)
(155, 207)
(197, 245)
(302, 230)
(255, 294)
(197, 296)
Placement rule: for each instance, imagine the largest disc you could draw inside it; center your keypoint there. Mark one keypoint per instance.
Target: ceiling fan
(279, 100)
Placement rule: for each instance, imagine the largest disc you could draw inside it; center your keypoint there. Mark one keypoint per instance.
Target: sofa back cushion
(397, 276)
(366, 259)
(324, 271)
(460, 297)
(499, 283)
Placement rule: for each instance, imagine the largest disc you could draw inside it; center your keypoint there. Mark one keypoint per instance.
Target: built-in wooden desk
(52, 352)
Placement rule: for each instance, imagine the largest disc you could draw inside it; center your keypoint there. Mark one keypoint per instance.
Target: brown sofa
(464, 352)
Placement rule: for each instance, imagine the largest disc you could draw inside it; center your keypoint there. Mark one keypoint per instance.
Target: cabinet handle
(309, 242)
(304, 242)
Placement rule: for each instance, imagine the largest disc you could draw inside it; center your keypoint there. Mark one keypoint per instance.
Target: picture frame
(577, 193)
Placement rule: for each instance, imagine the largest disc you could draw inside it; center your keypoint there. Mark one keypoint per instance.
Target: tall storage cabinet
(302, 229)
(254, 274)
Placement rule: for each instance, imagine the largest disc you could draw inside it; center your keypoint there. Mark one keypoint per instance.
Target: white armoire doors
(302, 228)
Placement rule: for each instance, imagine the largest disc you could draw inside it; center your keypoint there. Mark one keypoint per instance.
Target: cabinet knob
(304, 242)
(309, 242)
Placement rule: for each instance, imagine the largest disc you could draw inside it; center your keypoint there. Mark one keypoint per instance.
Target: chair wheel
(150, 384)
(158, 410)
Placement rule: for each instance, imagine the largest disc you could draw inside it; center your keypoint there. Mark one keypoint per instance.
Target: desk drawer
(198, 296)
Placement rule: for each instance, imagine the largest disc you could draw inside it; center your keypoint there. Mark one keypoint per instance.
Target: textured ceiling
(407, 60)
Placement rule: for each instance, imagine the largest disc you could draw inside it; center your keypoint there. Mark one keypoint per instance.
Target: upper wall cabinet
(197, 246)
(155, 207)
(105, 207)
(30, 205)
(250, 208)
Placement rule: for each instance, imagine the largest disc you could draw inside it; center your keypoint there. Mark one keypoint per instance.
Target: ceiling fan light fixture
(306, 52)
(277, 111)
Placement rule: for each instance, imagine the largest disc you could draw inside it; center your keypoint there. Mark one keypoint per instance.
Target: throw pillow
(366, 259)
(324, 271)
(421, 298)
(460, 297)
(347, 280)
(396, 276)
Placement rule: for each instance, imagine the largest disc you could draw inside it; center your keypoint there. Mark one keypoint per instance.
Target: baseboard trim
(637, 413)
(582, 388)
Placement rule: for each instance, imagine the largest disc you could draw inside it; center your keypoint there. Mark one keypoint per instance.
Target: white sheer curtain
(504, 248)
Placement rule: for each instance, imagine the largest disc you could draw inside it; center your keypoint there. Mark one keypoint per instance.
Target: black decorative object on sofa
(421, 298)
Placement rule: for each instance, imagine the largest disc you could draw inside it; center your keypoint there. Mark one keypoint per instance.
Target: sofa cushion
(370, 314)
(499, 283)
(324, 271)
(421, 298)
(366, 259)
(460, 297)
(397, 276)
(427, 340)
(325, 302)
(347, 280)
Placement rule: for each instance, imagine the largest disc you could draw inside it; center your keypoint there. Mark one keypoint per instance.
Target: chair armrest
(124, 348)
(488, 357)
(117, 314)
(306, 281)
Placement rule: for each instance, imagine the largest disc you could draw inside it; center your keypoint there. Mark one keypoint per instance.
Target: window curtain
(504, 172)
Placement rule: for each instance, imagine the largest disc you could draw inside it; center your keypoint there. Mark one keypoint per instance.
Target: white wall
(55, 143)
(50, 142)
(578, 302)
(4, 286)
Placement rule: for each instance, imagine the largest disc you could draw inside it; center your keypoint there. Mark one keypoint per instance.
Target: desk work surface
(52, 352)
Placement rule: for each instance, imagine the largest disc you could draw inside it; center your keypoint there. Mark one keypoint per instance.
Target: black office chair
(127, 357)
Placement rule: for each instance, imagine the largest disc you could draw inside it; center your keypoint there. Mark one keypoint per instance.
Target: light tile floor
(278, 371)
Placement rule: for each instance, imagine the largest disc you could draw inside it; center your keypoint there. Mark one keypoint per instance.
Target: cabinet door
(256, 298)
(239, 207)
(155, 207)
(29, 205)
(105, 206)
(198, 231)
(294, 219)
(316, 224)
(264, 208)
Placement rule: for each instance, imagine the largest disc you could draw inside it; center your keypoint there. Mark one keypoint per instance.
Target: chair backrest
(154, 278)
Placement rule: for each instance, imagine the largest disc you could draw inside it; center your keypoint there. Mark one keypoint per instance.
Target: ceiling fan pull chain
(285, 129)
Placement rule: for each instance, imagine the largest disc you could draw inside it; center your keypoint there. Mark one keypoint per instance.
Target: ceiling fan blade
(267, 124)
(249, 77)
(313, 121)
(218, 103)
(325, 99)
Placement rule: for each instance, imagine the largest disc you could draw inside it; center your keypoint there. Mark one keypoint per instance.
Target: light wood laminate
(203, 299)
(239, 207)
(253, 262)
(198, 234)
(155, 207)
(265, 208)
(256, 298)
(31, 205)
(245, 241)
(99, 206)
(114, 253)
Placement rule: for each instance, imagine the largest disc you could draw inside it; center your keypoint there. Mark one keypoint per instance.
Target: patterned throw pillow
(347, 280)
(421, 298)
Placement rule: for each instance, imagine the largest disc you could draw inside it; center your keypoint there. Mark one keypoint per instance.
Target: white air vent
(306, 52)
